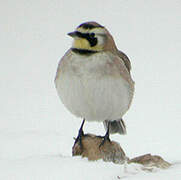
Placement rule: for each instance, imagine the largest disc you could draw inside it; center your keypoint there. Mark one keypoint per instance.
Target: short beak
(72, 34)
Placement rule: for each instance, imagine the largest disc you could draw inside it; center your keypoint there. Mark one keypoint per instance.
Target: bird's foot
(80, 134)
(105, 138)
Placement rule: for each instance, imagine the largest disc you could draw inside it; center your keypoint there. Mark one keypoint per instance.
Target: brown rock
(149, 160)
(109, 151)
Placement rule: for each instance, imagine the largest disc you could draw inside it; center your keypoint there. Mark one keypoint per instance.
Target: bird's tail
(116, 126)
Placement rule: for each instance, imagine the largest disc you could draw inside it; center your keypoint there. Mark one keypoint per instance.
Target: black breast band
(83, 51)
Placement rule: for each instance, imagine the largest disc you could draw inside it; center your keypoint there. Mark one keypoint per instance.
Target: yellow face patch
(84, 43)
(81, 43)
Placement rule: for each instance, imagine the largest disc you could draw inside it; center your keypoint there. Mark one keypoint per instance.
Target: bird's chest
(89, 87)
(87, 68)
(86, 76)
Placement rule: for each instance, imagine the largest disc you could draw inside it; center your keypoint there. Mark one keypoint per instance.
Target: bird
(93, 79)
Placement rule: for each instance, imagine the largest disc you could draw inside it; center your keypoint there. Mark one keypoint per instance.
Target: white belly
(93, 96)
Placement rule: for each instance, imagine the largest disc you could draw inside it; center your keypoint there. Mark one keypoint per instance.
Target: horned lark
(93, 78)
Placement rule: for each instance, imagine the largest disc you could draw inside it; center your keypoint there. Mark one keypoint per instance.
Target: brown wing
(124, 73)
(123, 70)
(125, 59)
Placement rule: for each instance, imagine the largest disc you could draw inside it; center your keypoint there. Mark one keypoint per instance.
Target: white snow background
(36, 130)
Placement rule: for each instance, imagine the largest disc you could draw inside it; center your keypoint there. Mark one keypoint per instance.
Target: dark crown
(89, 26)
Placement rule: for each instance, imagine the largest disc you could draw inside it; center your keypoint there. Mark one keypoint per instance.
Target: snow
(36, 131)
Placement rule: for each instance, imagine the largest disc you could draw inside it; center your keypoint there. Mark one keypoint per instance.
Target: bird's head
(92, 36)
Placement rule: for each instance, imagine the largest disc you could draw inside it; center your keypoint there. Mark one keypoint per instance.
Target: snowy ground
(36, 131)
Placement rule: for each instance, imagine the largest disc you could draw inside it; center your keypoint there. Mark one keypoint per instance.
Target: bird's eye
(92, 35)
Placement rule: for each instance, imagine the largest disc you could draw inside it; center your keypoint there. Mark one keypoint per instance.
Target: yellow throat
(81, 43)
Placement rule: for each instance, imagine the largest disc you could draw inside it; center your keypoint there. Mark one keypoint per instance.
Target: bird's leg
(80, 134)
(106, 137)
